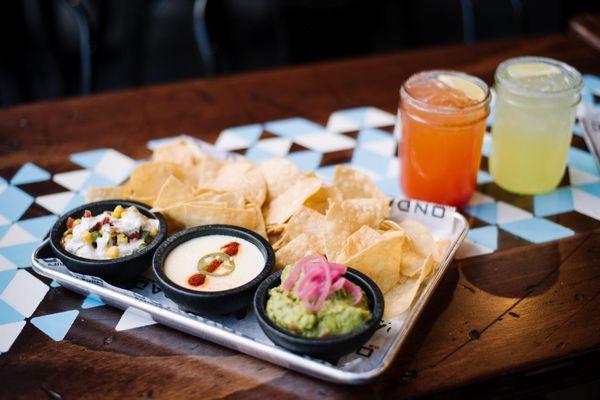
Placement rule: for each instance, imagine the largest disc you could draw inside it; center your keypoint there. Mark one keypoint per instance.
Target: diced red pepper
(70, 222)
(134, 236)
(231, 249)
(105, 220)
(196, 279)
(87, 214)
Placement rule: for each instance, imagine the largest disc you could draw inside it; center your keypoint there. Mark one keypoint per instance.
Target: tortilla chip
(400, 298)
(420, 236)
(389, 225)
(285, 205)
(173, 191)
(259, 224)
(304, 221)
(299, 247)
(180, 151)
(147, 179)
(232, 199)
(244, 177)
(358, 241)
(190, 215)
(107, 193)
(280, 174)
(355, 185)
(381, 261)
(346, 217)
(323, 198)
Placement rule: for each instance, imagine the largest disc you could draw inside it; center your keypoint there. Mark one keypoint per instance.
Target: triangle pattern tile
(97, 180)
(9, 333)
(16, 235)
(91, 301)
(278, 146)
(24, 292)
(487, 212)
(114, 166)
(470, 249)
(537, 230)
(339, 123)
(6, 264)
(556, 202)
(390, 186)
(5, 278)
(508, 213)
(56, 203)
(591, 188)
(486, 236)
(38, 226)
(579, 177)
(73, 180)
(29, 173)
(258, 155)
(486, 146)
(56, 325)
(134, 318)
(375, 117)
(88, 159)
(393, 170)
(8, 314)
(293, 127)
(484, 177)
(20, 254)
(325, 142)
(372, 135)
(245, 134)
(358, 115)
(365, 159)
(305, 160)
(227, 141)
(586, 204)
(480, 198)
(14, 202)
(583, 161)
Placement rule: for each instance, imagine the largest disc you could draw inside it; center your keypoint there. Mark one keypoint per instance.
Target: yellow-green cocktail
(533, 123)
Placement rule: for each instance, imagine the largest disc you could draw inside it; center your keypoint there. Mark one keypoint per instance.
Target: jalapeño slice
(208, 264)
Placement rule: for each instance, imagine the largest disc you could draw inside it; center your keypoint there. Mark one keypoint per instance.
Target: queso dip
(213, 263)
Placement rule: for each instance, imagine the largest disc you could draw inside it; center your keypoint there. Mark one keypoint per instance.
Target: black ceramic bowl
(121, 270)
(219, 302)
(328, 348)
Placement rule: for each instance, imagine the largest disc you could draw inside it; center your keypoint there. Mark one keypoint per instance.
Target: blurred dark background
(58, 48)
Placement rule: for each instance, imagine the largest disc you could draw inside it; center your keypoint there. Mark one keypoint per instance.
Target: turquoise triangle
(88, 159)
(39, 226)
(30, 173)
(56, 325)
(91, 301)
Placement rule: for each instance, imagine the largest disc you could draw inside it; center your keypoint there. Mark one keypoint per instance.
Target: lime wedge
(469, 88)
(531, 70)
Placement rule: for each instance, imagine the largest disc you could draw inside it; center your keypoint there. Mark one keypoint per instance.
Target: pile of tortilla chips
(346, 221)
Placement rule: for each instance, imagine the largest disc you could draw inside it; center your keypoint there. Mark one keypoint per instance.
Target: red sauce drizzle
(196, 279)
(231, 249)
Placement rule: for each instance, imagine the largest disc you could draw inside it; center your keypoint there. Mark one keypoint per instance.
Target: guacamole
(337, 316)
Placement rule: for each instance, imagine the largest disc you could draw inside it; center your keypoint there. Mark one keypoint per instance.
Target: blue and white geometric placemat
(359, 137)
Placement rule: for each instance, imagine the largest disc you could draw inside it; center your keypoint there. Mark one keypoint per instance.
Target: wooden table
(516, 321)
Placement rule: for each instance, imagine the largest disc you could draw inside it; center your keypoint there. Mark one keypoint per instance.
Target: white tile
(480, 198)
(24, 293)
(73, 180)
(385, 147)
(378, 118)
(393, 167)
(6, 264)
(585, 203)
(55, 203)
(134, 318)
(508, 213)
(9, 333)
(278, 146)
(578, 177)
(228, 141)
(16, 235)
(325, 142)
(339, 123)
(115, 166)
(471, 249)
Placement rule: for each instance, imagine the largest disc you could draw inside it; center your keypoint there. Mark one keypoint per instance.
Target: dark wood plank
(499, 324)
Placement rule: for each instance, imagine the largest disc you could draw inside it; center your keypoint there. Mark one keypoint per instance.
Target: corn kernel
(154, 232)
(69, 237)
(112, 252)
(77, 222)
(122, 239)
(118, 211)
(87, 237)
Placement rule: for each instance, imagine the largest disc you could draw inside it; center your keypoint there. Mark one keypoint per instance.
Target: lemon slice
(469, 88)
(531, 70)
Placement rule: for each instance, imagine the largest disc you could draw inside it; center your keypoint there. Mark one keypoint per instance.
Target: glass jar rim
(514, 87)
(420, 104)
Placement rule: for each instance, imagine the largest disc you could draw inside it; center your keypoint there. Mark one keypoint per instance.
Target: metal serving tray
(244, 334)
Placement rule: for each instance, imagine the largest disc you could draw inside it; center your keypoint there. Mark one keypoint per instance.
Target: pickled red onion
(320, 279)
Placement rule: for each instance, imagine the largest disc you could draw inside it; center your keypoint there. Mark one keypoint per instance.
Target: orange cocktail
(443, 121)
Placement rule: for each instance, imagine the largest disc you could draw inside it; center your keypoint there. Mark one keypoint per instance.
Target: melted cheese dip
(182, 262)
